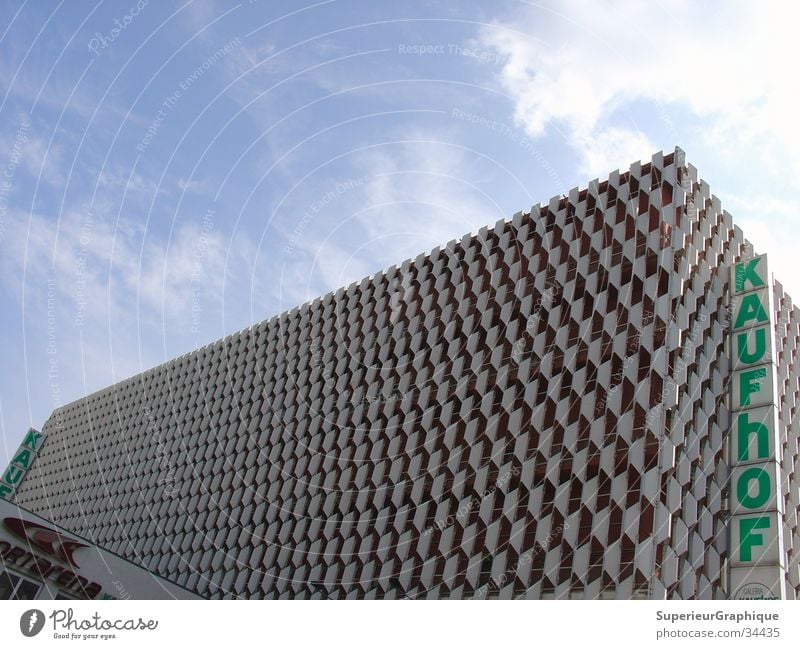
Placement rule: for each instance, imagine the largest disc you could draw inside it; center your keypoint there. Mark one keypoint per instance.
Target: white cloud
(422, 194)
(197, 16)
(36, 155)
(399, 200)
(115, 180)
(612, 148)
(196, 186)
(44, 161)
(765, 221)
(97, 262)
(580, 64)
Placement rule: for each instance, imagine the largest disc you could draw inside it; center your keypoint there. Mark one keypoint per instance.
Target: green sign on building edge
(757, 569)
(21, 461)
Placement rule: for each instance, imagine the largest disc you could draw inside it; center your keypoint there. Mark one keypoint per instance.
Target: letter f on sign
(750, 383)
(748, 538)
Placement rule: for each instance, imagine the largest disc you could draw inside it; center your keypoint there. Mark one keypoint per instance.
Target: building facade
(39, 560)
(540, 410)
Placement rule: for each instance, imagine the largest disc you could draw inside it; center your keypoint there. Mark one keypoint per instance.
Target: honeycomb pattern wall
(691, 533)
(787, 344)
(535, 411)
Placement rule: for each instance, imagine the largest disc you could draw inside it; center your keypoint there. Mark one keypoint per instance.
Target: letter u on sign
(752, 347)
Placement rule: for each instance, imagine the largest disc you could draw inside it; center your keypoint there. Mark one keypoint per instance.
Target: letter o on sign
(753, 476)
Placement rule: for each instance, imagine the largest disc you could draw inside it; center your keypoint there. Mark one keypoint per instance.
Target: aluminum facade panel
(537, 410)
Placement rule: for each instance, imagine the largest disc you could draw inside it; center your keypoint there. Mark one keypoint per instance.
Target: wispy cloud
(95, 261)
(575, 65)
(402, 198)
(423, 192)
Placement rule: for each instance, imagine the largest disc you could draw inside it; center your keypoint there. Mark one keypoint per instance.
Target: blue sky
(173, 172)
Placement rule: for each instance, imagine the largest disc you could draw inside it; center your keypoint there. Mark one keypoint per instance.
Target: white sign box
(754, 435)
(757, 569)
(757, 584)
(752, 347)
(756, 539)
(750, 275)
(754, 488)
(754, 386)
(751, 309)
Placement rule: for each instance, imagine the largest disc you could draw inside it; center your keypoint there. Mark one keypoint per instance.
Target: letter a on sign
(23, 458)
(750, 310)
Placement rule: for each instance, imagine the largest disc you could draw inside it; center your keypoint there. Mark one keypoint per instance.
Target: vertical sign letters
(20, 463)
(757, 570)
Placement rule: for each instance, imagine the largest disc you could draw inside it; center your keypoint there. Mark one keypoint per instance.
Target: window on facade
(13, 586)
(63, 595)
(608, 593)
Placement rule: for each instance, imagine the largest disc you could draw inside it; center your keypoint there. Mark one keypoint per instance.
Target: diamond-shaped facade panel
(536, 411)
